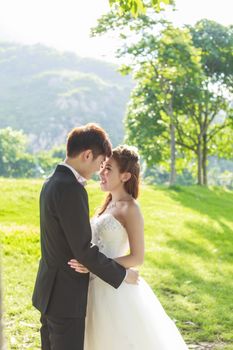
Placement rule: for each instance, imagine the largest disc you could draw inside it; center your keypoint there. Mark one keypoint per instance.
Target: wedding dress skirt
(130, 317)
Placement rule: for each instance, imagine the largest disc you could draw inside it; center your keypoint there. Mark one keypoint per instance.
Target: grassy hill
(189, 237)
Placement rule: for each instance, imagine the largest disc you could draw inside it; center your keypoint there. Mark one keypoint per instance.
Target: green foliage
(181, 104)
(59, 152)
(46, 162)
(188, 262)
(216, 43)
(171, 68)
(136, 7)
(159, 175)
(220, 172)
(14, 161)
(23, 167)
(196, 105)
(224, 145)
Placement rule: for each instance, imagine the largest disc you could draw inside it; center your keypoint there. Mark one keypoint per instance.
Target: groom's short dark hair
(89, 136)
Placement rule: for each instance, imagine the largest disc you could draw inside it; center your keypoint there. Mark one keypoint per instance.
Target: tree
(174, 64)
(216, 43)
(12, 146)
(59, 152)
(136, 7)
(47, 160)
(15, 161)
(215, 103)
(177, 96)
(210, 115)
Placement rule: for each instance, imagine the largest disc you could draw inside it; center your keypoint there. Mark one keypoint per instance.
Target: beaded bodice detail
(109, 235)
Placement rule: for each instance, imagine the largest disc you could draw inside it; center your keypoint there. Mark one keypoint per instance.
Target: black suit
(61, 293)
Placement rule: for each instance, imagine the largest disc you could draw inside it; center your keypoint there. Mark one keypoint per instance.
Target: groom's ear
(87, 155)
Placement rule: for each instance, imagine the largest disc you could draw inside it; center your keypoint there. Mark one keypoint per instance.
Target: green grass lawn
(189, 255)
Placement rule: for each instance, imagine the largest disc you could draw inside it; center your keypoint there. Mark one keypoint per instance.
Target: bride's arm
(135, 228)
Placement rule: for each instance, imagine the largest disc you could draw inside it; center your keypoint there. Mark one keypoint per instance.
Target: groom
(60, 293)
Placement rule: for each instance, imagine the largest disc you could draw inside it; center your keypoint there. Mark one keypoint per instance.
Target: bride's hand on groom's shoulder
(74, 264)
(132, 276)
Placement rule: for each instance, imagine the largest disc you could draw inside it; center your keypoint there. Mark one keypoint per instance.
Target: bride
(130, 317)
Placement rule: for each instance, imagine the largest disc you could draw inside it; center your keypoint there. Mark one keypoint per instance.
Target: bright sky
(65, 24)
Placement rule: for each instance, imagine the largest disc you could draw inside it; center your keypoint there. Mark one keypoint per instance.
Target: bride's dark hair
(127, 160)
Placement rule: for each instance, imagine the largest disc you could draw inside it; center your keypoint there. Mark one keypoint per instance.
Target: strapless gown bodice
(109, 235)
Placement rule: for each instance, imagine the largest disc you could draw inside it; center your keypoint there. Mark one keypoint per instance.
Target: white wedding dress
(130, 317)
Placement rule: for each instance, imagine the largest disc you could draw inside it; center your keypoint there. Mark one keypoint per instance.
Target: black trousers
(62, 333)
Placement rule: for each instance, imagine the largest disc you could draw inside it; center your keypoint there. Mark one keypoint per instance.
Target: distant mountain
(46, 93)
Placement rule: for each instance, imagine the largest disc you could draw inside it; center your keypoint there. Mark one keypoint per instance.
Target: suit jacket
(66, 233)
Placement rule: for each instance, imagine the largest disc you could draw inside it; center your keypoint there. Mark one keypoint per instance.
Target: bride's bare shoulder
(132, 212)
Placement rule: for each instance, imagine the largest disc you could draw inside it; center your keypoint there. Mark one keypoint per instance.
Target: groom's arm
(73, 214)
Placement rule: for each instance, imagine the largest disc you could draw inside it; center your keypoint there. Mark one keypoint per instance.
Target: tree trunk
(204, 160)
(169, 111)
(173, 154)
(199, 164)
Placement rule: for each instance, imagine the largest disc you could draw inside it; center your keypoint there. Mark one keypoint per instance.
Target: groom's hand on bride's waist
(132, 276)
(74, 264)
